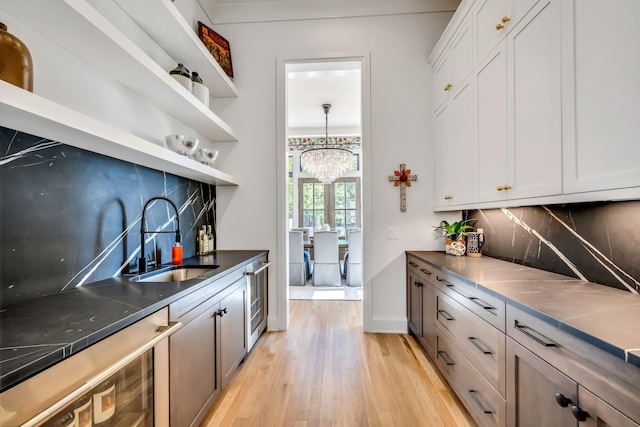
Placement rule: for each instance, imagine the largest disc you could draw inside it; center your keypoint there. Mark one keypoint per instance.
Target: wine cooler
(118, 382)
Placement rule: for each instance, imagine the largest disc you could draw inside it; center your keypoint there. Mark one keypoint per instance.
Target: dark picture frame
(218, 46)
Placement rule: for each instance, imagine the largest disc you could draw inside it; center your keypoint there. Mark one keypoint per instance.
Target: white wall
(400, 127)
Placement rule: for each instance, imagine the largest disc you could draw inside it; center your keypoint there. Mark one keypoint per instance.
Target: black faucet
(142, 262)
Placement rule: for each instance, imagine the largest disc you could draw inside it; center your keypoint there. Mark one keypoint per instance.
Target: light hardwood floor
(324, 371)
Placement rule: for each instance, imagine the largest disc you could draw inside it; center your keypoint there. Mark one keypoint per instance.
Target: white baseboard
(387, 325)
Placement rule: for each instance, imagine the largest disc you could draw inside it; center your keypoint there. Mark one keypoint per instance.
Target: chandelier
(325, 161)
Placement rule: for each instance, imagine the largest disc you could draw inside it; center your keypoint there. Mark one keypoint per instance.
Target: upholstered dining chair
(326, 259)
(353, 262)
(297, 275)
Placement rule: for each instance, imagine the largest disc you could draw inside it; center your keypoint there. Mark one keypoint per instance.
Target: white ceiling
(311, 84)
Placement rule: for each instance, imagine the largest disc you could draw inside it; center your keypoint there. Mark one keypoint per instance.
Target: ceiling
(311, 84)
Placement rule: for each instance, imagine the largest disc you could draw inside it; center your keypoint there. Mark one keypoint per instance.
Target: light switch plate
(393, 233)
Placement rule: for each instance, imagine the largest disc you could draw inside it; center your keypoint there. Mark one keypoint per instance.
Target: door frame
(280, 319)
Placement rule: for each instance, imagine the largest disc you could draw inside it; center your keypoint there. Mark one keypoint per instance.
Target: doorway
(307, 84)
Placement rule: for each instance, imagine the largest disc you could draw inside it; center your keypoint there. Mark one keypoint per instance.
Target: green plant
(456, 229)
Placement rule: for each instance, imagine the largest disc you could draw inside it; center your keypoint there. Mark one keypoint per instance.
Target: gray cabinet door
(532, 387)
(414, 303)
(193, 378)
(233, 331)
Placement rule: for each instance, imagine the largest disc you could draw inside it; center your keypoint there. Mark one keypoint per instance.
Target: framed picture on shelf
(218, 46)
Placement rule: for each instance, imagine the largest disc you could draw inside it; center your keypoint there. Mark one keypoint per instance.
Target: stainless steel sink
(174, 274)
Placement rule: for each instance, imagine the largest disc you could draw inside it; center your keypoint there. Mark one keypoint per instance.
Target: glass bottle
(104, 403)
(16, 65)
(82, 411)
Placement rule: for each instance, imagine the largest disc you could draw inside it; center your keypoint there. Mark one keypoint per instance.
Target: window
(336, 204)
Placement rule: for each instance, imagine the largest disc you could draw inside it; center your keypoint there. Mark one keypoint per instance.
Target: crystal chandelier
(325, 161)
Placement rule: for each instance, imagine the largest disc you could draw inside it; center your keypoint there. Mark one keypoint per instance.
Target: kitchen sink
(174, 274)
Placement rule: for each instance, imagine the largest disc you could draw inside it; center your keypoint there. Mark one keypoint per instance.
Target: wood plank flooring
(324, 371)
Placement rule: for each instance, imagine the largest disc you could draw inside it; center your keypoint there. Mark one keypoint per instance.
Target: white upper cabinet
(534, 76)
(602, 102)
(556, 102)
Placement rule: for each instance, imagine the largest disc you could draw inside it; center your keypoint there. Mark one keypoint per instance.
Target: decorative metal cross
(402, 178)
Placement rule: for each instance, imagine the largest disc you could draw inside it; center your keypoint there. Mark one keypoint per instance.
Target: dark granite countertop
(603, 316)
(36, 334)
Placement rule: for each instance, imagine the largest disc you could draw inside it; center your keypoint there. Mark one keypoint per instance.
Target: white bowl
(182, 144)
(206, 156)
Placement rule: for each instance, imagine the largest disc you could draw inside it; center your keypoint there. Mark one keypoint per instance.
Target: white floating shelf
(171, 31)
(30, 113)
(80, 29)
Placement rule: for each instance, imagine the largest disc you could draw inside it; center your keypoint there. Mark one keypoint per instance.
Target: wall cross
(402, 178)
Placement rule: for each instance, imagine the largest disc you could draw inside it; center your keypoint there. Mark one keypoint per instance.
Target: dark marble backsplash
(598, 242)
(70, 217)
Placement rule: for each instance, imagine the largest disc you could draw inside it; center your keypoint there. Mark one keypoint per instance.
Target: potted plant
(454, 234)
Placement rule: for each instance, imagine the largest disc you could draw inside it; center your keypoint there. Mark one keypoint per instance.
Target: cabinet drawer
(480, 342)
(488, 307)
(610, 378)
(421, 268)
(484, 403)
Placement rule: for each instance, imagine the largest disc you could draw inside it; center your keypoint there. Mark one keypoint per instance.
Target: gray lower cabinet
(536, 391)
(421, 303)
(205, 354)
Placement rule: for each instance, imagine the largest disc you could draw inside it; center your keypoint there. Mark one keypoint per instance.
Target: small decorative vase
(455, 247)
(16, 65)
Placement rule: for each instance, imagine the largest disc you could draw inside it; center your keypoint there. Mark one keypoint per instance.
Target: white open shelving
(98, 42)
(30, 113)
(171, 31)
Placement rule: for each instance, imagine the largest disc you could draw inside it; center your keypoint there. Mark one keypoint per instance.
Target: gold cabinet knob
(499, 27)
(447, 87)
(507, 187)
(448, 197)
(500, 188)
(505, 19)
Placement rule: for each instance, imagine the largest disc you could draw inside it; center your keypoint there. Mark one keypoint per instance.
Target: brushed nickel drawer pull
(522, 328)
(472, 393)
(446, 315)
(476, 345)
(413, 264)
(481, 303)
(444, 359)
(427, 272)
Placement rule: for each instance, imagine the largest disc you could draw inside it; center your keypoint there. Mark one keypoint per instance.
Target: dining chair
(326, 261)
(353, 261)
(297, 275)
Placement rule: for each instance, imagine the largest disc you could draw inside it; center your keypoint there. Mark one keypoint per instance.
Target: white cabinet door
(602, 144)
(491, 113)
(442, 80)
(488, 14)
(534, 114)
(462, 54)
(463, 170)
(443, 145)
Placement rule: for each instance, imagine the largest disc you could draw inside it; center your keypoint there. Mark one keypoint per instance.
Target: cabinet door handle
(579, 414)
(446, 315)
(222, 312)
(447, 87)
(522, 328)
(481, 303)
(499, 188)
(499, 27)
(417, 284)
(448, 197)
(505, 19)
(507, 187)
(476, 345)
(425, 271)
(262, 267)
(472, 393)
(444, 359)
(413, 264)
(562, 400)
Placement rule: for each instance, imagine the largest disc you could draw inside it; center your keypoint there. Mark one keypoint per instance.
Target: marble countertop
(36, 334)
(603, 316)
